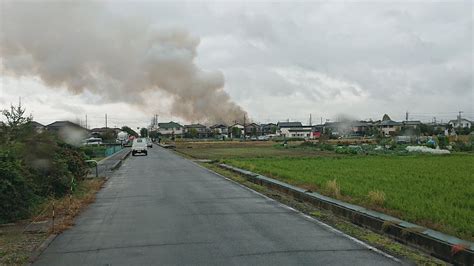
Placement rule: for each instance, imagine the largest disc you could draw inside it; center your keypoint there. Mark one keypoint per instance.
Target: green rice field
(434, 191)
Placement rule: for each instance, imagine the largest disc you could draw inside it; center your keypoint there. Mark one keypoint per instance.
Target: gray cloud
(360, 58)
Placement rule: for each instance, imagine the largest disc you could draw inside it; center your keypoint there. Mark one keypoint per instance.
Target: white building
(460, 123)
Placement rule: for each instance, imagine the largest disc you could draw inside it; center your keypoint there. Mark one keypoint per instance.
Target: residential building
(236, 130)
(294, 130)
(361, 128)
(415, 124)
(268, 129)
(252, 129)
(170, 129)
(68, 131)
(460, 123)
(390, 127)
(38, 127)
(219, 130)
(196, 131)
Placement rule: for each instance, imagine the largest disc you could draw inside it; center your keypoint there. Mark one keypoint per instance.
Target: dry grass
(376, 198)
(333, 189)
(16, 245)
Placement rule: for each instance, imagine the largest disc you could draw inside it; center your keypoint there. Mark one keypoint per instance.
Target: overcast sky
(289, 60)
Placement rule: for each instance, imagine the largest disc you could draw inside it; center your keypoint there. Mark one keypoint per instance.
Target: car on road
(149, 143)
(263, 137)
(139, 146)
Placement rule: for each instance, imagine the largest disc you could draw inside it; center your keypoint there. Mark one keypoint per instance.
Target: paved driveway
(162, 209)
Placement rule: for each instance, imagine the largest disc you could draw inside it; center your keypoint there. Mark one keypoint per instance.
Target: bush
(15, 193)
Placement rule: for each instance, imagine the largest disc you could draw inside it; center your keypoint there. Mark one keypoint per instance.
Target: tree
(143, 132)
(193, 133)
(236, 132)
(17, 125)
(130, 131)
(15, 117)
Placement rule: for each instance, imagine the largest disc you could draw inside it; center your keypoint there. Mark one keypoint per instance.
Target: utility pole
(86, 122)
(459, 118)
(106, 122)
(310, 122)
(321, 120)
(244, 127)
(406, 116)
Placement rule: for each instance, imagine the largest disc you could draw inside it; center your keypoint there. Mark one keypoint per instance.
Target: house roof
(237, 125)
(300, 129)
(413, 122)
(36, 124)
(462, 119)
(389, 123)
(218, 126)
(289, 124)
(195, 126)
(62, 124)
(251, 125)
(170, 124)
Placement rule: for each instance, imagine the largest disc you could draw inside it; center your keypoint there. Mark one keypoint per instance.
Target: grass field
(435, 191)
(236, 149)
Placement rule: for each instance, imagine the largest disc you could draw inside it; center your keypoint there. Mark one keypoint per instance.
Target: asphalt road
(162, 209)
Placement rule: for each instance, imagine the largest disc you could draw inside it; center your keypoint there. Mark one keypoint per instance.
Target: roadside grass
(17, 245)
(377, 240)
(434, 191)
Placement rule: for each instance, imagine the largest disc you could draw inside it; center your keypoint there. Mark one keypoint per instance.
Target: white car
(139, 146)
(149, 143)
(92, 141)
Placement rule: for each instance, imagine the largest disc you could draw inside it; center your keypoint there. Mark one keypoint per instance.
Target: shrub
(376, 198)
(15, 193)
(333, 189)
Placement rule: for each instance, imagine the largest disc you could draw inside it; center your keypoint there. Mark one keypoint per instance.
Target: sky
(280, 60)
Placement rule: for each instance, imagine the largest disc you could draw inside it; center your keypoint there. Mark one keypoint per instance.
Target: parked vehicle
(122, 137)
(139, 146)
(92, 141)
(263, 137)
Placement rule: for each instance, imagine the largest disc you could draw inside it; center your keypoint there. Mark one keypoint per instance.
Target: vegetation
(33, 166)
(143, 132)
(412, 187)
(130, 131)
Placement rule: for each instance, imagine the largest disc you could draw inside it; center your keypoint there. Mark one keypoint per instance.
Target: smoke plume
(85, 47)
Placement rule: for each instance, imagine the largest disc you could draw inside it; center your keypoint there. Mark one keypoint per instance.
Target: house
(170, 129)
(70, 132)
(460, 123)
(100, 132)
(268, 129)
(196, 131)
(415, 124)
(252, 129)
(294, 130)
(38, 127)
(360, 128)
(220, 129)
(389, 127)
(236, 130)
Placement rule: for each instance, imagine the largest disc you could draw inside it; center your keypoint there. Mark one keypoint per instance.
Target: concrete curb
(37, 252)
(445, 247)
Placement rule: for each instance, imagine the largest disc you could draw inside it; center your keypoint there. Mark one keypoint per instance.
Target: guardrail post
(96, 166)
